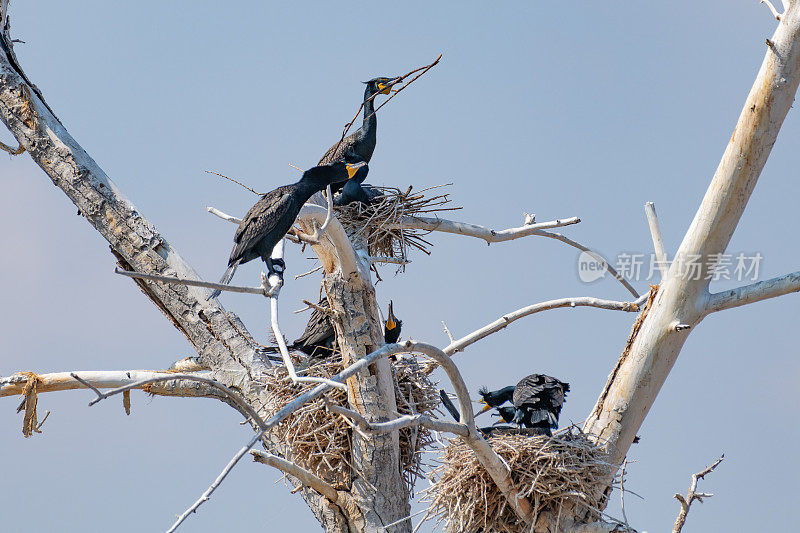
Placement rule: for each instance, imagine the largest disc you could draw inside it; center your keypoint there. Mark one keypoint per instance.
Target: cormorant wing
(318, 329)
(262, 219)
(448, 404)
(335, 154)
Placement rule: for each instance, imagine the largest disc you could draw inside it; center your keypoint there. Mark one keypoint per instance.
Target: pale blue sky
(585, 109)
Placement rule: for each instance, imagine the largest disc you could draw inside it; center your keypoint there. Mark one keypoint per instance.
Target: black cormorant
(319, 338)
(537, 401)
(273, 215)
(353, 191)
(359, 145)
(495, 398)
(391, 329)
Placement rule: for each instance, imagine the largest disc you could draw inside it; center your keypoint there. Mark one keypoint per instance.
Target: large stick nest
(319, 441)
(381, 222)
(556, 472)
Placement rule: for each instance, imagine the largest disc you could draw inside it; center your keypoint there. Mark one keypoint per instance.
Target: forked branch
(693, 495)
(481, 232)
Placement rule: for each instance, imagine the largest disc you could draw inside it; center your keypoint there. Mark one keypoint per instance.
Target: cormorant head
(336, 173)
(382, 85)
(507, 413)
(494, 398)
(391, 329)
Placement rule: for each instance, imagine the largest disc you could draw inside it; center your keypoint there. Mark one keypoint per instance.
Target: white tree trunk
(640, 373)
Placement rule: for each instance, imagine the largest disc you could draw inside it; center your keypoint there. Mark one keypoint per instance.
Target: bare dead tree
(230, 366)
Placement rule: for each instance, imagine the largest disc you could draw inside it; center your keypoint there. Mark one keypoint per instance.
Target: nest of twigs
(319, 440)
(381, 222)
(554, 473)
(415, 394)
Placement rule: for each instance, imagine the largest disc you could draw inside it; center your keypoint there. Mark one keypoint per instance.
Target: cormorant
(353, 191)
(537, 402)
(319, 338)
(391, 329)
(359, 145)
(495, 398)
(273, 215)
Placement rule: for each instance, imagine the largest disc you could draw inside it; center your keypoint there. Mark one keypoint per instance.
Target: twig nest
(380, 222)
(320, 441)
(554, 473)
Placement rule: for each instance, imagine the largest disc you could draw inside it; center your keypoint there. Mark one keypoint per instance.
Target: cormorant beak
(486, 407)
(391, 321)
(385, 87)
(352, 168)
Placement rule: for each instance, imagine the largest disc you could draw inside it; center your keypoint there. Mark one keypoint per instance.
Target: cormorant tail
(225, 279)
(449, 405)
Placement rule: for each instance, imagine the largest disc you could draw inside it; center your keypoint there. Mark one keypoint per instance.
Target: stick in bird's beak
(352, 168)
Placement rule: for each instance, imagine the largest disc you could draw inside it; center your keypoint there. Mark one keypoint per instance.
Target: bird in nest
(537, 400)
(273, 215)
(319, 338)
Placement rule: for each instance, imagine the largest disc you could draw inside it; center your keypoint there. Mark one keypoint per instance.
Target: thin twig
(192, 282)
(12, 151)
(394, 82)
(597, 257)
(309, 272)
(233, 180)
(449, 335)
(398, 91)
(622, 492)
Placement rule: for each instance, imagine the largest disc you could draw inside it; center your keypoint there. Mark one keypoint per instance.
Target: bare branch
(223, 216)
(192, 282)
(449, 335)
(61, 381)
(692, 495)
(772, 9)
(622, 490)
(400, 422)
(507, 319)
(473, 230)
(658, 241)
(597, 257)
(304, 274)
(755, 292)
(301, 474)
(12, 151)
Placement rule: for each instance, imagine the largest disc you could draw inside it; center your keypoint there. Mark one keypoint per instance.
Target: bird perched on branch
(273, 215)
(359, 145)
(537, 400)
(392, 326)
